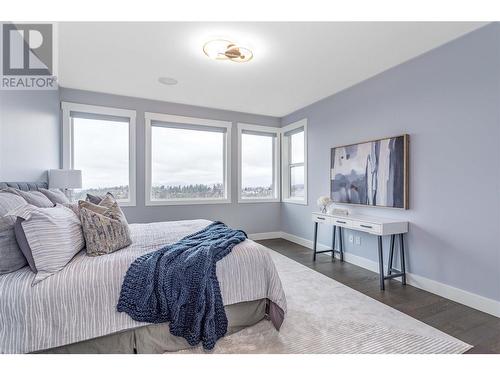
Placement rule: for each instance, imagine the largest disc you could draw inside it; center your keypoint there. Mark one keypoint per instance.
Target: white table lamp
(65, 179)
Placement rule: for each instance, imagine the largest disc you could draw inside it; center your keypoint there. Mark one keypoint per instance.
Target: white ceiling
(295, 64)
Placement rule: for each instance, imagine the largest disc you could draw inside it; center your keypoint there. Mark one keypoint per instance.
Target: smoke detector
(168, 81)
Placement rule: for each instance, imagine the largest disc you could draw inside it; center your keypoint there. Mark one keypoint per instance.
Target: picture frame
(372, 173)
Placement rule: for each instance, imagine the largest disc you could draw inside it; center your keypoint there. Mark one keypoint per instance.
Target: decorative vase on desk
(323, 203)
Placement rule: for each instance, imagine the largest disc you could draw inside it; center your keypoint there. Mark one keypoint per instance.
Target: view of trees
(178, 192)
(257, 192)
(119, 192)
(188, 191)
(297, 190)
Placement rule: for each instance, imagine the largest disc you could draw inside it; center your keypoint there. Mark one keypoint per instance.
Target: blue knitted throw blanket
(178, 284)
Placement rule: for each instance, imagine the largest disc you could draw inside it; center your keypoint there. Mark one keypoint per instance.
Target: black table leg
(341, 241)
(402, 258)
(315, 239)
(391, 255)
(333, 242)
(381, 263)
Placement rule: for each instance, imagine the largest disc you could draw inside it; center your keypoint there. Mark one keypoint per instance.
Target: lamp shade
(65, 179)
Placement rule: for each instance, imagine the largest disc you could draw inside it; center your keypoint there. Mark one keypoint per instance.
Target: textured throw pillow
(11, 257)
(104, 226)
(55, 195)
(33, 197)
(96, 199)
(54, 236)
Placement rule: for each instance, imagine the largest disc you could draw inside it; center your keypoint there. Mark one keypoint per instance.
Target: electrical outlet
(351, 238)
(358, 240)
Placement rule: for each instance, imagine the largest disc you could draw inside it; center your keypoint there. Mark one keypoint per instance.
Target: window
(258, 172)
(187, 160)
(100, 141)
(294, 162)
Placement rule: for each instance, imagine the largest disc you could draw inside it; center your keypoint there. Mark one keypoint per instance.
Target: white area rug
(325, 316)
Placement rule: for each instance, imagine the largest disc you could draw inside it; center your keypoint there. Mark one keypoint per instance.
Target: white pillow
(54, 236)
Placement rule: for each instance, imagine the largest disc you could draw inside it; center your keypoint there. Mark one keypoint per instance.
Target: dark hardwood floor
(467, 324)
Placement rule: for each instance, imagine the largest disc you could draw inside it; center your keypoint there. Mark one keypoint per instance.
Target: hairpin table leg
(402, 258)
(333, 242)
(381, 263)
(391, 255)
(341, 240)
(315, 239)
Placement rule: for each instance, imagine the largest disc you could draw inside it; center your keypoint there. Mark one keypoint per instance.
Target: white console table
(368, 224)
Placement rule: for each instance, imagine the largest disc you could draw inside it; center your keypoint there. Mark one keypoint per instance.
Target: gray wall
(29, 134)
(448, 100)
(252, 217)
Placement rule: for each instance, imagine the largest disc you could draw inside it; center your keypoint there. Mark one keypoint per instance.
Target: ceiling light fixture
(220, 49)
(168, 81)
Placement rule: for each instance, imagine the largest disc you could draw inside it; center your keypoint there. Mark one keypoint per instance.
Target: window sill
(186, 202)
(126, 203)
(256, 200)
(295, 201)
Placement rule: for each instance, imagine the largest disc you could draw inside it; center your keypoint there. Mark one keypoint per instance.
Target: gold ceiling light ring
(220, 49)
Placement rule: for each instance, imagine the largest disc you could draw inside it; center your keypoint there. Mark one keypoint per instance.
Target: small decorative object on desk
(323, 202)
(339, 211)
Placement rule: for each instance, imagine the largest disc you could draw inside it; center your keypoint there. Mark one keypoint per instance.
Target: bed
(74, 311)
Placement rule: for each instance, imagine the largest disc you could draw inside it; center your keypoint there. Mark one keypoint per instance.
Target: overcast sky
(257, 160)
(109, 165)
(180, 157)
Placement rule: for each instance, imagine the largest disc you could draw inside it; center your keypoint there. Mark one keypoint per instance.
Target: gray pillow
(54, 236)
(96, 199)
(22, 241)
(33, 197)
(11, 257)
(104, 226)
(55, 195)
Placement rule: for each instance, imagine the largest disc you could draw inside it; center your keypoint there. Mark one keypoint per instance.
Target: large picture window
(100, 142)
(258, 153)
(187, 160)
(294, 162)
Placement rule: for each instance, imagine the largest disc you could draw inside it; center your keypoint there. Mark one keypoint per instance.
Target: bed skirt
(156, 338)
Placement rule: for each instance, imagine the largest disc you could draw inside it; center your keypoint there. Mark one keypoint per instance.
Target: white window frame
(151, 117)
(285, 163)
(67, 135)
(276, 161)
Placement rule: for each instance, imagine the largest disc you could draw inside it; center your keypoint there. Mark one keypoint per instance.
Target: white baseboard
(464, 297)
(301, 241)
(264, 236)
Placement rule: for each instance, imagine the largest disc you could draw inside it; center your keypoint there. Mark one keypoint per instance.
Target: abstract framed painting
(372, 173)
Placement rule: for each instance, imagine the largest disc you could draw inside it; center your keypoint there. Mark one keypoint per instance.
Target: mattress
(79, 302)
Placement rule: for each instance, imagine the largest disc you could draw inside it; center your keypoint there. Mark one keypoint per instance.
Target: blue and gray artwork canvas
(371, 173)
